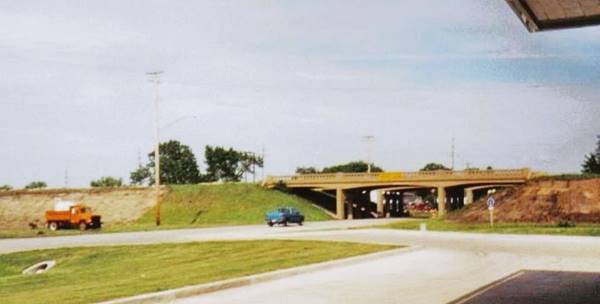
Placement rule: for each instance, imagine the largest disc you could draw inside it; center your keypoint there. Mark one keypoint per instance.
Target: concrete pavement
(447, 266)
(181, 235)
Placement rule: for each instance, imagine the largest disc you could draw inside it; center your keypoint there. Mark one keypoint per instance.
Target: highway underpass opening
(532, 287)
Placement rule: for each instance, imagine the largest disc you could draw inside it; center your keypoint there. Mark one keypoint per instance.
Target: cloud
(307, 80)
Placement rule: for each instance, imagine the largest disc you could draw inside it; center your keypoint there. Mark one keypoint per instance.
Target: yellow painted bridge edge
(390, 176)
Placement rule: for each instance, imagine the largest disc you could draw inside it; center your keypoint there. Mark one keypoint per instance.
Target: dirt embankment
(547, 201)
(118, 205)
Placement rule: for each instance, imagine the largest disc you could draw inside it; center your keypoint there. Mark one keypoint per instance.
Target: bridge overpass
(449, 186)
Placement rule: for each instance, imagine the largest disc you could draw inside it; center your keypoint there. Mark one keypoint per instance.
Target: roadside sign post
(490, 203)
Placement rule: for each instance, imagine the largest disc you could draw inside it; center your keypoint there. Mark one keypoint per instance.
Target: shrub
(565, 223)
(36, 185)
(107, 181)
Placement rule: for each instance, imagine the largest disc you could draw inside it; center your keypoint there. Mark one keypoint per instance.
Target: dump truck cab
(70, 215)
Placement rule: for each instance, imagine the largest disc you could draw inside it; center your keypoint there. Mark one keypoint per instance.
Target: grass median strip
(92, 274)
(583, 229)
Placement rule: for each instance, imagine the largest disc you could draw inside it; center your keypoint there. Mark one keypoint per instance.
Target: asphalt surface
(539, 287)
(442, 267)
(181, 235)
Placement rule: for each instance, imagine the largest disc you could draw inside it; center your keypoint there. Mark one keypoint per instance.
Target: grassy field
(19, 233)
(226, 204)
(92, 274)
(188, 206)
(507, 228)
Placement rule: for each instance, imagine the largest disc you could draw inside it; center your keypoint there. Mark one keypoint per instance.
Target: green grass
(20, 233)
(506, 228)
(92, 274)
(225, 204)
(204, 205)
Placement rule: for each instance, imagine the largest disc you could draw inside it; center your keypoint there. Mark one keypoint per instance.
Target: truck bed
(58, 216)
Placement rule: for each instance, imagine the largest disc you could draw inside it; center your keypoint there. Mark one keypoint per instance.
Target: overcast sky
(303, 79)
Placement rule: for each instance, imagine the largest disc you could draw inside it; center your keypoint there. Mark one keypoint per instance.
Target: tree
(107, 181)
(36, 185)
(140, 176)
(248, 162)
(177, 166)
(306, 170)
(5, 188)
(434, 167)
(228, 164)
(591, 164)
(352, 167)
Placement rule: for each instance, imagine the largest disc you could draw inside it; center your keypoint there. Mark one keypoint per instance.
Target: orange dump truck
(70, 215)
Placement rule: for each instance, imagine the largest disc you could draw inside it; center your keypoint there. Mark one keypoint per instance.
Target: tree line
(351, 167)
(179, 166)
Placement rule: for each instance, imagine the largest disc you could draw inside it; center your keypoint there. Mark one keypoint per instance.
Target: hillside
(540, 201)
(133, 208)
(117, 206)
(225, 204)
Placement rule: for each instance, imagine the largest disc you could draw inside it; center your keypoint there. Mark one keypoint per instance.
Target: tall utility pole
(452, 153)
(155, 78)
(369, 139)
(252, 156)
(66, 178)
(253, 167)
(262, 171)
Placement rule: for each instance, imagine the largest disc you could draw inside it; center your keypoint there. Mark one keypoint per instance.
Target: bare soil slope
(542, 201)
(19, 208)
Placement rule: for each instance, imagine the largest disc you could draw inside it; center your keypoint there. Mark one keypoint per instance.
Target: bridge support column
(380, 205)
(350, 211)
(340, 203)
(441, 200)
(468, 197)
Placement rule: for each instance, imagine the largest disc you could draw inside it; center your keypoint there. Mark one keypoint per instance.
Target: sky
(304, 81)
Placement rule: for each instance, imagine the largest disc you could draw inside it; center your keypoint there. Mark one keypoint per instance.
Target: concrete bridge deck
(345, 183)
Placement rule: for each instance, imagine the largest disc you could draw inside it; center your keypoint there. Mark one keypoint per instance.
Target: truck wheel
(300, 223)
(53, 226)
(270, 224)
(82, 226)
(284, 223)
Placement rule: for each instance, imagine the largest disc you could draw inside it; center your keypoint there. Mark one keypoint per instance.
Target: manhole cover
(533, 287)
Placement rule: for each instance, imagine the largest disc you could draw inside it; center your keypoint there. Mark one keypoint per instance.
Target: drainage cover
(39, 267)
(532, 287)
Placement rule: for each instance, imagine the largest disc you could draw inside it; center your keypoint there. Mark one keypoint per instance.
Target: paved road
(443, 267)
(181, 235)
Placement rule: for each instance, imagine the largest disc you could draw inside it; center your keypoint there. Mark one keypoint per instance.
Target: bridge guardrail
(439, 175)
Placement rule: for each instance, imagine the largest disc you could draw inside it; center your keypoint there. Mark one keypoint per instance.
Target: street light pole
(369, 139)
(155, 78)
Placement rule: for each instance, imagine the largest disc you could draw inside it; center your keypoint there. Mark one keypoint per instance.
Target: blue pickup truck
(284, 216)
